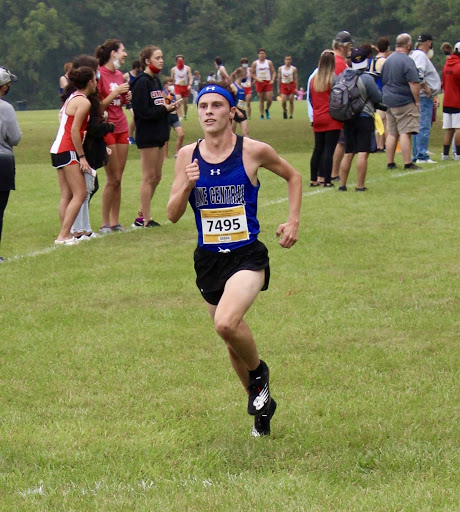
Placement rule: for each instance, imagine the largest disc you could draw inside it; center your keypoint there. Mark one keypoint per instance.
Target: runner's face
(121, 54)
(157, 59)
(214, 113)
(288, 61)
(262, 56)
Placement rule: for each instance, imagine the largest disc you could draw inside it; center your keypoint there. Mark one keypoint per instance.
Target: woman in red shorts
(67, 150)
(114, 93)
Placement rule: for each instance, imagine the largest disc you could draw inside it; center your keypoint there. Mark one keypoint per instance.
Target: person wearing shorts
(67, 154)
(152, 128)
(247, 84)
(451, 102)
(240, 115)
(114, 93)
(218, 176)
(358, 132)
(263, 73)
(173, 118)
(401, 93)
(288, 83)
(183, 80)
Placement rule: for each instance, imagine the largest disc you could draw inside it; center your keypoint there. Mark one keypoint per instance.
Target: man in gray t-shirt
(401, 92)
(10, 135)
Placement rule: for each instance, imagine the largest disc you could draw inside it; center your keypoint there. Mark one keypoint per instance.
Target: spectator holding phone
(151, 113)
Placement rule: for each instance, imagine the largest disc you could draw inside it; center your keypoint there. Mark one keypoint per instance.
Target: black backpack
(348, 97)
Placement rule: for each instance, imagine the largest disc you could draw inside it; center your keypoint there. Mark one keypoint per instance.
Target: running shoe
(391, 166)
(69, 241)
(105, 230)
(335, 178)
(83, 238)
(267, 114)
(131, 140)
(262, 421)
(151, 224)
(411, 167)
(284, 115)
(118, 228)
(445, 157)
(138, 223)
(342, 189)
(427, 161)
(262, 118)
(259, 392)
(2, 260)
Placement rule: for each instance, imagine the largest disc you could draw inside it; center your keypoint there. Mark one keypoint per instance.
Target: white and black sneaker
(259, 391)
(262, 421)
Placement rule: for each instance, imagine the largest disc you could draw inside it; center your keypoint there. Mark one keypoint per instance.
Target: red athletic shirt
(322, 121)
(340, 64)
(108, 82)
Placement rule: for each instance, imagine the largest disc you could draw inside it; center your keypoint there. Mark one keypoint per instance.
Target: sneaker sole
(255, 432)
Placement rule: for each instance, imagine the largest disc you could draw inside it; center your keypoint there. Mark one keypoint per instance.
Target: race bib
(182, 82)
(241, 104)
(224, 225)
(263, 74)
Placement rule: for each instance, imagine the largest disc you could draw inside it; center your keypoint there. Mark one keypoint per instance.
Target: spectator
(451, 102)
(114, 93)
(401, 93)
(67, 154)
(430, 85)
(152, 128)
(326, 129)
(342, 47)
(383, 46)
(359, 131)
(10, 135)
(64, 79)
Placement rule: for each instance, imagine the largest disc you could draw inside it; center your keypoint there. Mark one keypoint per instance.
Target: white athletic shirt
(263, 70)
(180, 76)
(287, 74)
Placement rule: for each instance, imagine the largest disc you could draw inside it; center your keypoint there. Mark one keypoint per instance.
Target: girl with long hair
(327, 130)
(114, 93)
(67, 154)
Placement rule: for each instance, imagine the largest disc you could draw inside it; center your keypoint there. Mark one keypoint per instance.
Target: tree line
(38, 38)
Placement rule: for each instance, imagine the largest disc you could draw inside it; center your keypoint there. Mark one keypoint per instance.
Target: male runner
(288, 83)
(218, 176)
(263, 73)
(183, 80)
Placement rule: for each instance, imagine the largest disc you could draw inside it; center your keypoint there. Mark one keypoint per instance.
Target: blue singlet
(225, 203)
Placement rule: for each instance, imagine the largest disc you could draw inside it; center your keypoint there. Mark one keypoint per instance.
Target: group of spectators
(399, 92)
(403, 82)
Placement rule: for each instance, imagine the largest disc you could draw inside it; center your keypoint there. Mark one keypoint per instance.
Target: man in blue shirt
(401, 93)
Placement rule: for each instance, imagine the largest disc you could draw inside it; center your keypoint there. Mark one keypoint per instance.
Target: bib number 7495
(224, 225)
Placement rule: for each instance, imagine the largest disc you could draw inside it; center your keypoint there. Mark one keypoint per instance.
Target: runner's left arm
(269, 159)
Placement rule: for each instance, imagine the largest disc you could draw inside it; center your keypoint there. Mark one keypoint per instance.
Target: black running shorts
(213, 269)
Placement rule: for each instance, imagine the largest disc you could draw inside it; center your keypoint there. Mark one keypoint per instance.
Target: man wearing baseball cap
(10, 135)
(358, 131)
(430, 86)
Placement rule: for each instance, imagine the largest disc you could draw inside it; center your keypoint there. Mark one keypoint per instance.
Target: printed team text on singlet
(263, 70)
(287, 75)
(224, 202)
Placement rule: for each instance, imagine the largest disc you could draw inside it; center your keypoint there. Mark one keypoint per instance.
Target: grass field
(117, 395)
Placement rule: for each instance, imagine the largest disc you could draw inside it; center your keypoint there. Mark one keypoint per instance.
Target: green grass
(117, 395)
